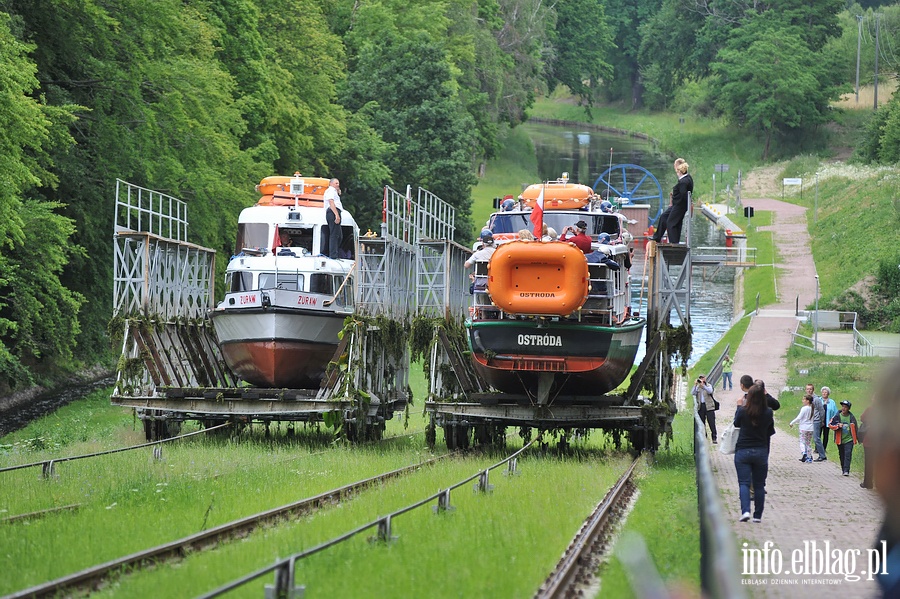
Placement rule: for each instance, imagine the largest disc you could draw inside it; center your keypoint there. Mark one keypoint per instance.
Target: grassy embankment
(855, 225)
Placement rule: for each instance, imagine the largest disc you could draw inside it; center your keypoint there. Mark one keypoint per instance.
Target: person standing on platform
(727, 383)
(844, 427)
(672, 218)
(830, 410)
(751, 457)
(706, 407)
(333, 209)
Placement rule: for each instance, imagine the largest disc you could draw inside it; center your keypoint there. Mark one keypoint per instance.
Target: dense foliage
(203, 98)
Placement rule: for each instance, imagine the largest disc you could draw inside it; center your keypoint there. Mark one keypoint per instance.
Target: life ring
(537, 278)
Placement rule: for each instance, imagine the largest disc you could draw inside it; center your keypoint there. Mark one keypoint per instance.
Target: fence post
(757, 305)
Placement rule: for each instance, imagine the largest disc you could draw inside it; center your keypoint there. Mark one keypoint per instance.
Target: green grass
(516, 163)
(499, 544)
(702, 142)
(854, 226)
(760, 279)
(733, 336)
(666, 517)
(129, 501)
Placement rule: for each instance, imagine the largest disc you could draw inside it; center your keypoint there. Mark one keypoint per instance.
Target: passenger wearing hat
(578, 236)
(844, 426)
(486, 251)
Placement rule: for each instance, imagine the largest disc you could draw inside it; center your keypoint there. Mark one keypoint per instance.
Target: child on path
(805, 420)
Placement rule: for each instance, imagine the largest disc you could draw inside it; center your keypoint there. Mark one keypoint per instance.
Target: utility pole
(877, 49)
(858, 49)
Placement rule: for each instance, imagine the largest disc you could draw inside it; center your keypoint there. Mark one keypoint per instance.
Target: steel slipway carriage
(551, 335)
(544, 340)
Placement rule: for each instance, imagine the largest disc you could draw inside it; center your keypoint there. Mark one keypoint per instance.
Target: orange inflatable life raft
(558, 195)
(276, 191)
(533, 277)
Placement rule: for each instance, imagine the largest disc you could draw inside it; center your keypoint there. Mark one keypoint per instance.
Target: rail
(284, 568)
(575, 564)
(814, 344)
(139, 209)
(207, 538)
(729, 256)
(718, 568)
(48, 465)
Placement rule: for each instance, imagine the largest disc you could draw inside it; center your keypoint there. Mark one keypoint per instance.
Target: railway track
(580, 560)
(93, 577)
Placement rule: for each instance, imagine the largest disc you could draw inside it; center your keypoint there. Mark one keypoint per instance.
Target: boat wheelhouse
(285, 299)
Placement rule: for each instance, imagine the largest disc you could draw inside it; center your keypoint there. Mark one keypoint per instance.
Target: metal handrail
(718, 568)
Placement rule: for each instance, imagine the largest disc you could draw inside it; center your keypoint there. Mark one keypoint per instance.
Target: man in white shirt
(333, 209)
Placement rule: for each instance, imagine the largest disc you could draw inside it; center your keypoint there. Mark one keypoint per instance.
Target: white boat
(285, 304)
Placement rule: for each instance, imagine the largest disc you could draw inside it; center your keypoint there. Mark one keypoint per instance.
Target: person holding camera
(577, 234)
(706, 404)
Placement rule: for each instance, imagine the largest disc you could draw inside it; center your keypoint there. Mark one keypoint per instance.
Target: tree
(406, 87)
(583, 41)
(769, 80)
(38, 315)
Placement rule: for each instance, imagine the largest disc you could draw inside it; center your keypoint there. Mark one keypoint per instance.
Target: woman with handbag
(756, 422)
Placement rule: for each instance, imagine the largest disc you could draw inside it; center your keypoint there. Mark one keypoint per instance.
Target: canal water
(585, 155)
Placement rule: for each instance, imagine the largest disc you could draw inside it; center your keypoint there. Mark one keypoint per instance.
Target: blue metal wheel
(635, 185)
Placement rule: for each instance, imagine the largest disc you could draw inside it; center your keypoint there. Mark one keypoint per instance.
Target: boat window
(345, 297)
(251, 235)
(281, 280)
(348, 243)
(513, 223)
(239, 281)
(321, 283)
(300, 238)
(597, 223)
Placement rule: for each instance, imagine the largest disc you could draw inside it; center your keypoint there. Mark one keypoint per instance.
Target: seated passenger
(549, 233)
(526, 235)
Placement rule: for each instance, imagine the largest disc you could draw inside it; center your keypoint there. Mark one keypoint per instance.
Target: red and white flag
(537, 215)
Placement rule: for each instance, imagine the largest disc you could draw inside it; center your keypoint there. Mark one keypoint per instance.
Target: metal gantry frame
(163, 290)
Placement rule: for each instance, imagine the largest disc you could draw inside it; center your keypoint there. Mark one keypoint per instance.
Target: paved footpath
(804, 502)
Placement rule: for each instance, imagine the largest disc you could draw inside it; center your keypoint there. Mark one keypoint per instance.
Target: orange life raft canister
(558, 195)
(276, 190)
(533, 277)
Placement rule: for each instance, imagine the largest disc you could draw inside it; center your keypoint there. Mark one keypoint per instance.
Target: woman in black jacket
(751, 457)
(673, 217)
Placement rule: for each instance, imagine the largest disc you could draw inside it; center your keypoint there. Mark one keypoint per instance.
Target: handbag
(728, 439)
